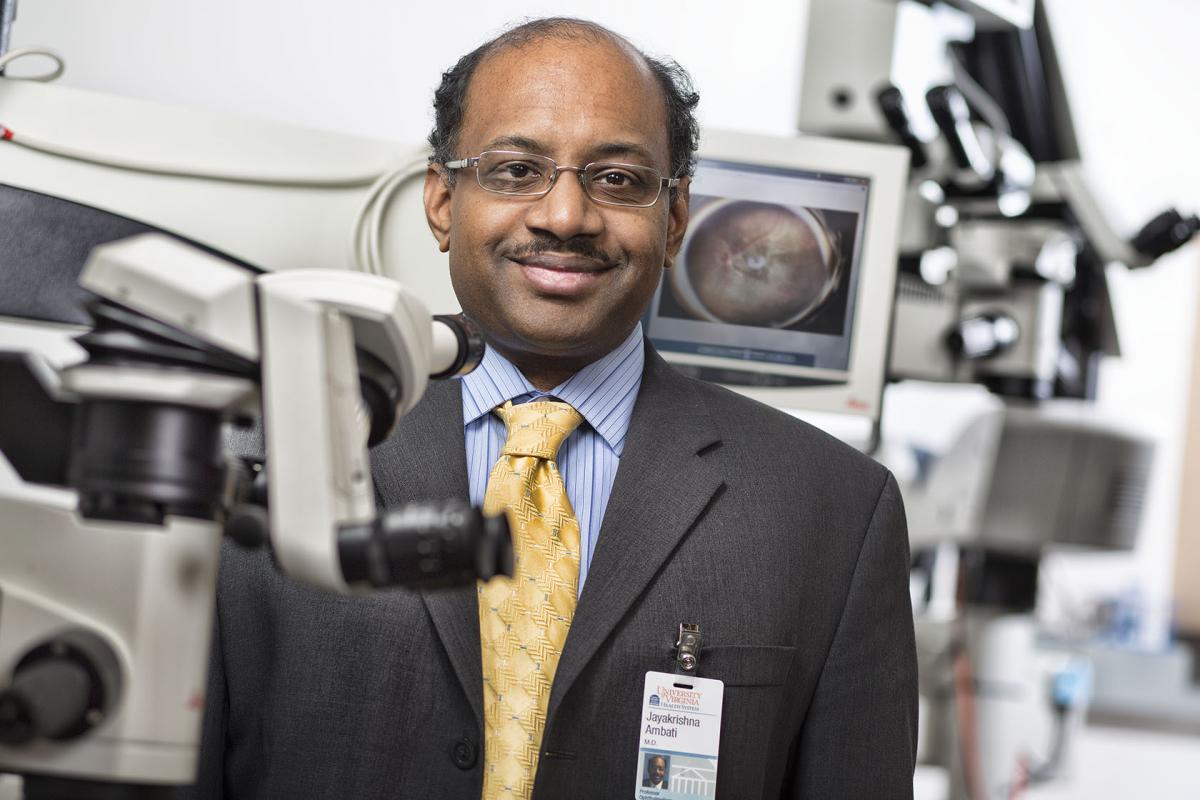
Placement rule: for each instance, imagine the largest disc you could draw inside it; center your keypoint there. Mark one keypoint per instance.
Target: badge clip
(687, 648)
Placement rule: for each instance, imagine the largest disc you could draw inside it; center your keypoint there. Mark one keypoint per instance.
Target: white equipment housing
(147, 590)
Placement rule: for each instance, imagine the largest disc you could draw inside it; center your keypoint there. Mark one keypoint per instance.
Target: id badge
(680, 737)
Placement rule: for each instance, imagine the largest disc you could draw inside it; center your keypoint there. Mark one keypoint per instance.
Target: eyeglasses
(527, 175)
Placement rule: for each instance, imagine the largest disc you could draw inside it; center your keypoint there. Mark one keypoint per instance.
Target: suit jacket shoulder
(780, 438)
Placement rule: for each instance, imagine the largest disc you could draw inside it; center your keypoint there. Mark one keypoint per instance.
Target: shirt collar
(602, 392)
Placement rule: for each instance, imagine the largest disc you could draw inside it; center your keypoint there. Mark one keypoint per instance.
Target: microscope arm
(316, 324)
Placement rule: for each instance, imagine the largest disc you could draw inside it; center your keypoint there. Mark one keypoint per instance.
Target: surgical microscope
(116, 490)
(1001, 282)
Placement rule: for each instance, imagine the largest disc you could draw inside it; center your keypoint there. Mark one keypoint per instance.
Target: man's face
(558, 278)
(658, 768)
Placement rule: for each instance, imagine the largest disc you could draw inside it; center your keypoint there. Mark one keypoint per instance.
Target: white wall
(369, 67)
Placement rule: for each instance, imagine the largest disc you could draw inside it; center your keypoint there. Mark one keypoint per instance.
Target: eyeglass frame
(473, 161)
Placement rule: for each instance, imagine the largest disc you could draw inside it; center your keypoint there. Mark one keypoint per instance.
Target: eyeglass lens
(525, 173)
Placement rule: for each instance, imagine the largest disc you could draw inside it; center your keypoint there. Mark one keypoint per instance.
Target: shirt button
(463, 753)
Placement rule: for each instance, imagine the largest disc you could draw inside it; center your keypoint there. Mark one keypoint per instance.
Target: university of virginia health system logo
(674, 697)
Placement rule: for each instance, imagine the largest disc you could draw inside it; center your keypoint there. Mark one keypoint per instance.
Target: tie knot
(537, 429)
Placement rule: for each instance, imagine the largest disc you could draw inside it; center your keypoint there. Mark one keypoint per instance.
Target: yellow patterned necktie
(523, 622)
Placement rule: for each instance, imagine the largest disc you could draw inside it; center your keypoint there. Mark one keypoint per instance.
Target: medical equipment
(115, 491)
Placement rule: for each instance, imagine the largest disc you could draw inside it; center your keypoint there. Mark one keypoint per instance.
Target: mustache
(576, 246)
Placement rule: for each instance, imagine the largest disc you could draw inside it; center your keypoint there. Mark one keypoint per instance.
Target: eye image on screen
(767, 275)
(761, 264)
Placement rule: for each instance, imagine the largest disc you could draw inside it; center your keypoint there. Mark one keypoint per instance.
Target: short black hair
(681, 98)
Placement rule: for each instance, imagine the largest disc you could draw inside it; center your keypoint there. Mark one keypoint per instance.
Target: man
(658, 501)
(656, 773)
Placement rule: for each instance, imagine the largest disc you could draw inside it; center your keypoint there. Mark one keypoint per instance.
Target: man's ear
(677, 220)
(437, 205)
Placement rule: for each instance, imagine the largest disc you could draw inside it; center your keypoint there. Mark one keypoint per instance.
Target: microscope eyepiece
(425, 546)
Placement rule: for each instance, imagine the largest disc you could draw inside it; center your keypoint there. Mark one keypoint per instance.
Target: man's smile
(561, 274)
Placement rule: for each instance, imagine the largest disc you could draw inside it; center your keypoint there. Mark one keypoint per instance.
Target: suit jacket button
(463, 753)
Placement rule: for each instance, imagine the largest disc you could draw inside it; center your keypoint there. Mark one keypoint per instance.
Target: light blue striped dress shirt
(602, 392)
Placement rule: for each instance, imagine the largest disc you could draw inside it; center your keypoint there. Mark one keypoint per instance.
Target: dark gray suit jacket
(788, 548)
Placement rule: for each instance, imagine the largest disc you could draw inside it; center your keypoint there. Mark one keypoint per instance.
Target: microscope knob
(1168, 231)
(60, 689)
(983, 335)
(249, 525)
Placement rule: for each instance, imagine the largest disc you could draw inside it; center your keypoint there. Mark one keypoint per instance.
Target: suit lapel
(425, 459)
(663, 484)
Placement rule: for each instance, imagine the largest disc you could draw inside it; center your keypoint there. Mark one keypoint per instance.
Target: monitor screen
(789, 251)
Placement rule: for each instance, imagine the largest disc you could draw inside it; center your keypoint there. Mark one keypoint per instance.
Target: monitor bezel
(886, 168)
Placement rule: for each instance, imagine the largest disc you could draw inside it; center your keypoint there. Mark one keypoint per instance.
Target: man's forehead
(518, 91)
